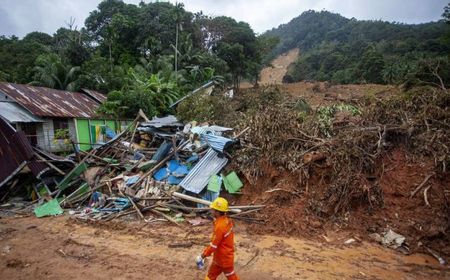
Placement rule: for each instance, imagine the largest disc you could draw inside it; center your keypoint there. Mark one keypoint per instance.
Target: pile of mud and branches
(370, 165)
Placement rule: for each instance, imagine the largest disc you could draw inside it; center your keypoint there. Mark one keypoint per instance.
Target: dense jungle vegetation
(149, 55)
(338, 49)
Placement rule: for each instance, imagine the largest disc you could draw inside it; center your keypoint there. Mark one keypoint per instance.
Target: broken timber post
(199, 200)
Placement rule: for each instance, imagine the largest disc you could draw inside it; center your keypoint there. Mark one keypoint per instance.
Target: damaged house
(54, 119)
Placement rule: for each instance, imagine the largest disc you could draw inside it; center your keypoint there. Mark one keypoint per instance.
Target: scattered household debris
(159, 166)
(17, 156)
(163, 169)
(441, 260)
(391, 239)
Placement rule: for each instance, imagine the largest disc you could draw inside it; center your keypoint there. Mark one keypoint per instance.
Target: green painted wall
(86, 130)
(83, 134)
(112, 124)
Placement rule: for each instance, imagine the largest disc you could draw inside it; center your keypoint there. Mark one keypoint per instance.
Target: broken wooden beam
(201, 201)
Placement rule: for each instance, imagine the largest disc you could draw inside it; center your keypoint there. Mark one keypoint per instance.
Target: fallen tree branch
(244, 213)
(422, 184)
(241, 133)
(425, 196)
(254, 257)
(311, 137)
(282, 190)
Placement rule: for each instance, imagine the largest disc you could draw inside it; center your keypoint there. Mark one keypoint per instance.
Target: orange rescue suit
(222, 243)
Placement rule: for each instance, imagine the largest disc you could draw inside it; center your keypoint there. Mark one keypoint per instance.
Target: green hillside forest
(338, 49)
(149, 55)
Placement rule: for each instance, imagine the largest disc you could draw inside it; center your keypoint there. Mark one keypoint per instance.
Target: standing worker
(222, 243)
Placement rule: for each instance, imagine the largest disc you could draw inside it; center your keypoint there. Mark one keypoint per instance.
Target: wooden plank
(199, 200)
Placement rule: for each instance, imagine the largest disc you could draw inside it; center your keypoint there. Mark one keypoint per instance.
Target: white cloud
(266, 14)
(20, 17)
(47, 16)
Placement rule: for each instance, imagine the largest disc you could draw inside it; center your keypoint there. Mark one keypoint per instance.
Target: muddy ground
(63, 248)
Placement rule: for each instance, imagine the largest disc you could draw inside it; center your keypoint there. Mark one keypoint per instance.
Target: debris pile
(17, 155)
(367, 165)
(364, 166)
(159, 166)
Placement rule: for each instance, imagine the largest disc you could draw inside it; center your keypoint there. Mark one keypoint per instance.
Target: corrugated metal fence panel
(37, 168)
(15, 151)
(24, 147)
(198, 177)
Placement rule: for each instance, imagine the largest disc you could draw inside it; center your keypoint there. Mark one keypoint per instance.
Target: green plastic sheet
(76, 172)
(232, 183)
(214, 184)
(50, 208)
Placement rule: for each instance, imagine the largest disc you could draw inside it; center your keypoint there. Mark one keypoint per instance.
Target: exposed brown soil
(60, 248)
(295, 210)
(289, 214)
(324, 93)
(279, 66)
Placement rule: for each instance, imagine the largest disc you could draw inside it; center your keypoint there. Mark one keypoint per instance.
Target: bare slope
(275, 74)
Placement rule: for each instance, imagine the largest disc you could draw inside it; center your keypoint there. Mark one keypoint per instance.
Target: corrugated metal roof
(15, 153)
(214, 129)
(15, 113)
(99, 97)
(167, 121)
(198, 176)
(47, 102)
(218, 143)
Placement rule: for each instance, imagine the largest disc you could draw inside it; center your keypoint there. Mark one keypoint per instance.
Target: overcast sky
(19, 17)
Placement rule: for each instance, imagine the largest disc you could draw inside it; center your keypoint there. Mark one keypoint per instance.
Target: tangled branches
(351, 147)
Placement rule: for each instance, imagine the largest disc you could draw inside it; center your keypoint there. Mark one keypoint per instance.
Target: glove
(200, 262)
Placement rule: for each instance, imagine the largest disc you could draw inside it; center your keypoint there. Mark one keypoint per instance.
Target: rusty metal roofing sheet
(15, 153)
(13, 113)
(99, 97)
(47, 102)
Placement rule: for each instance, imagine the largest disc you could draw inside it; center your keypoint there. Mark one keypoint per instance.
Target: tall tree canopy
(145, 55)
(232, 41)
(125, 48)
(343, 50)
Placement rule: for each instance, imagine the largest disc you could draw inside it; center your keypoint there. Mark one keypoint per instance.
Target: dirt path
(61, 248)
(275, 74)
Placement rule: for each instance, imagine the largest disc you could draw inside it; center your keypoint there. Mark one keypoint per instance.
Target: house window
(61, 128)
(60, 124)
(30, 131)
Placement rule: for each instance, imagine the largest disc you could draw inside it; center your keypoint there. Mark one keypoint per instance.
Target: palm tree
(51, 72)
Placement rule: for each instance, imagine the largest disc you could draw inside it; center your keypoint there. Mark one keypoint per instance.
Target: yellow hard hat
(220, 204)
